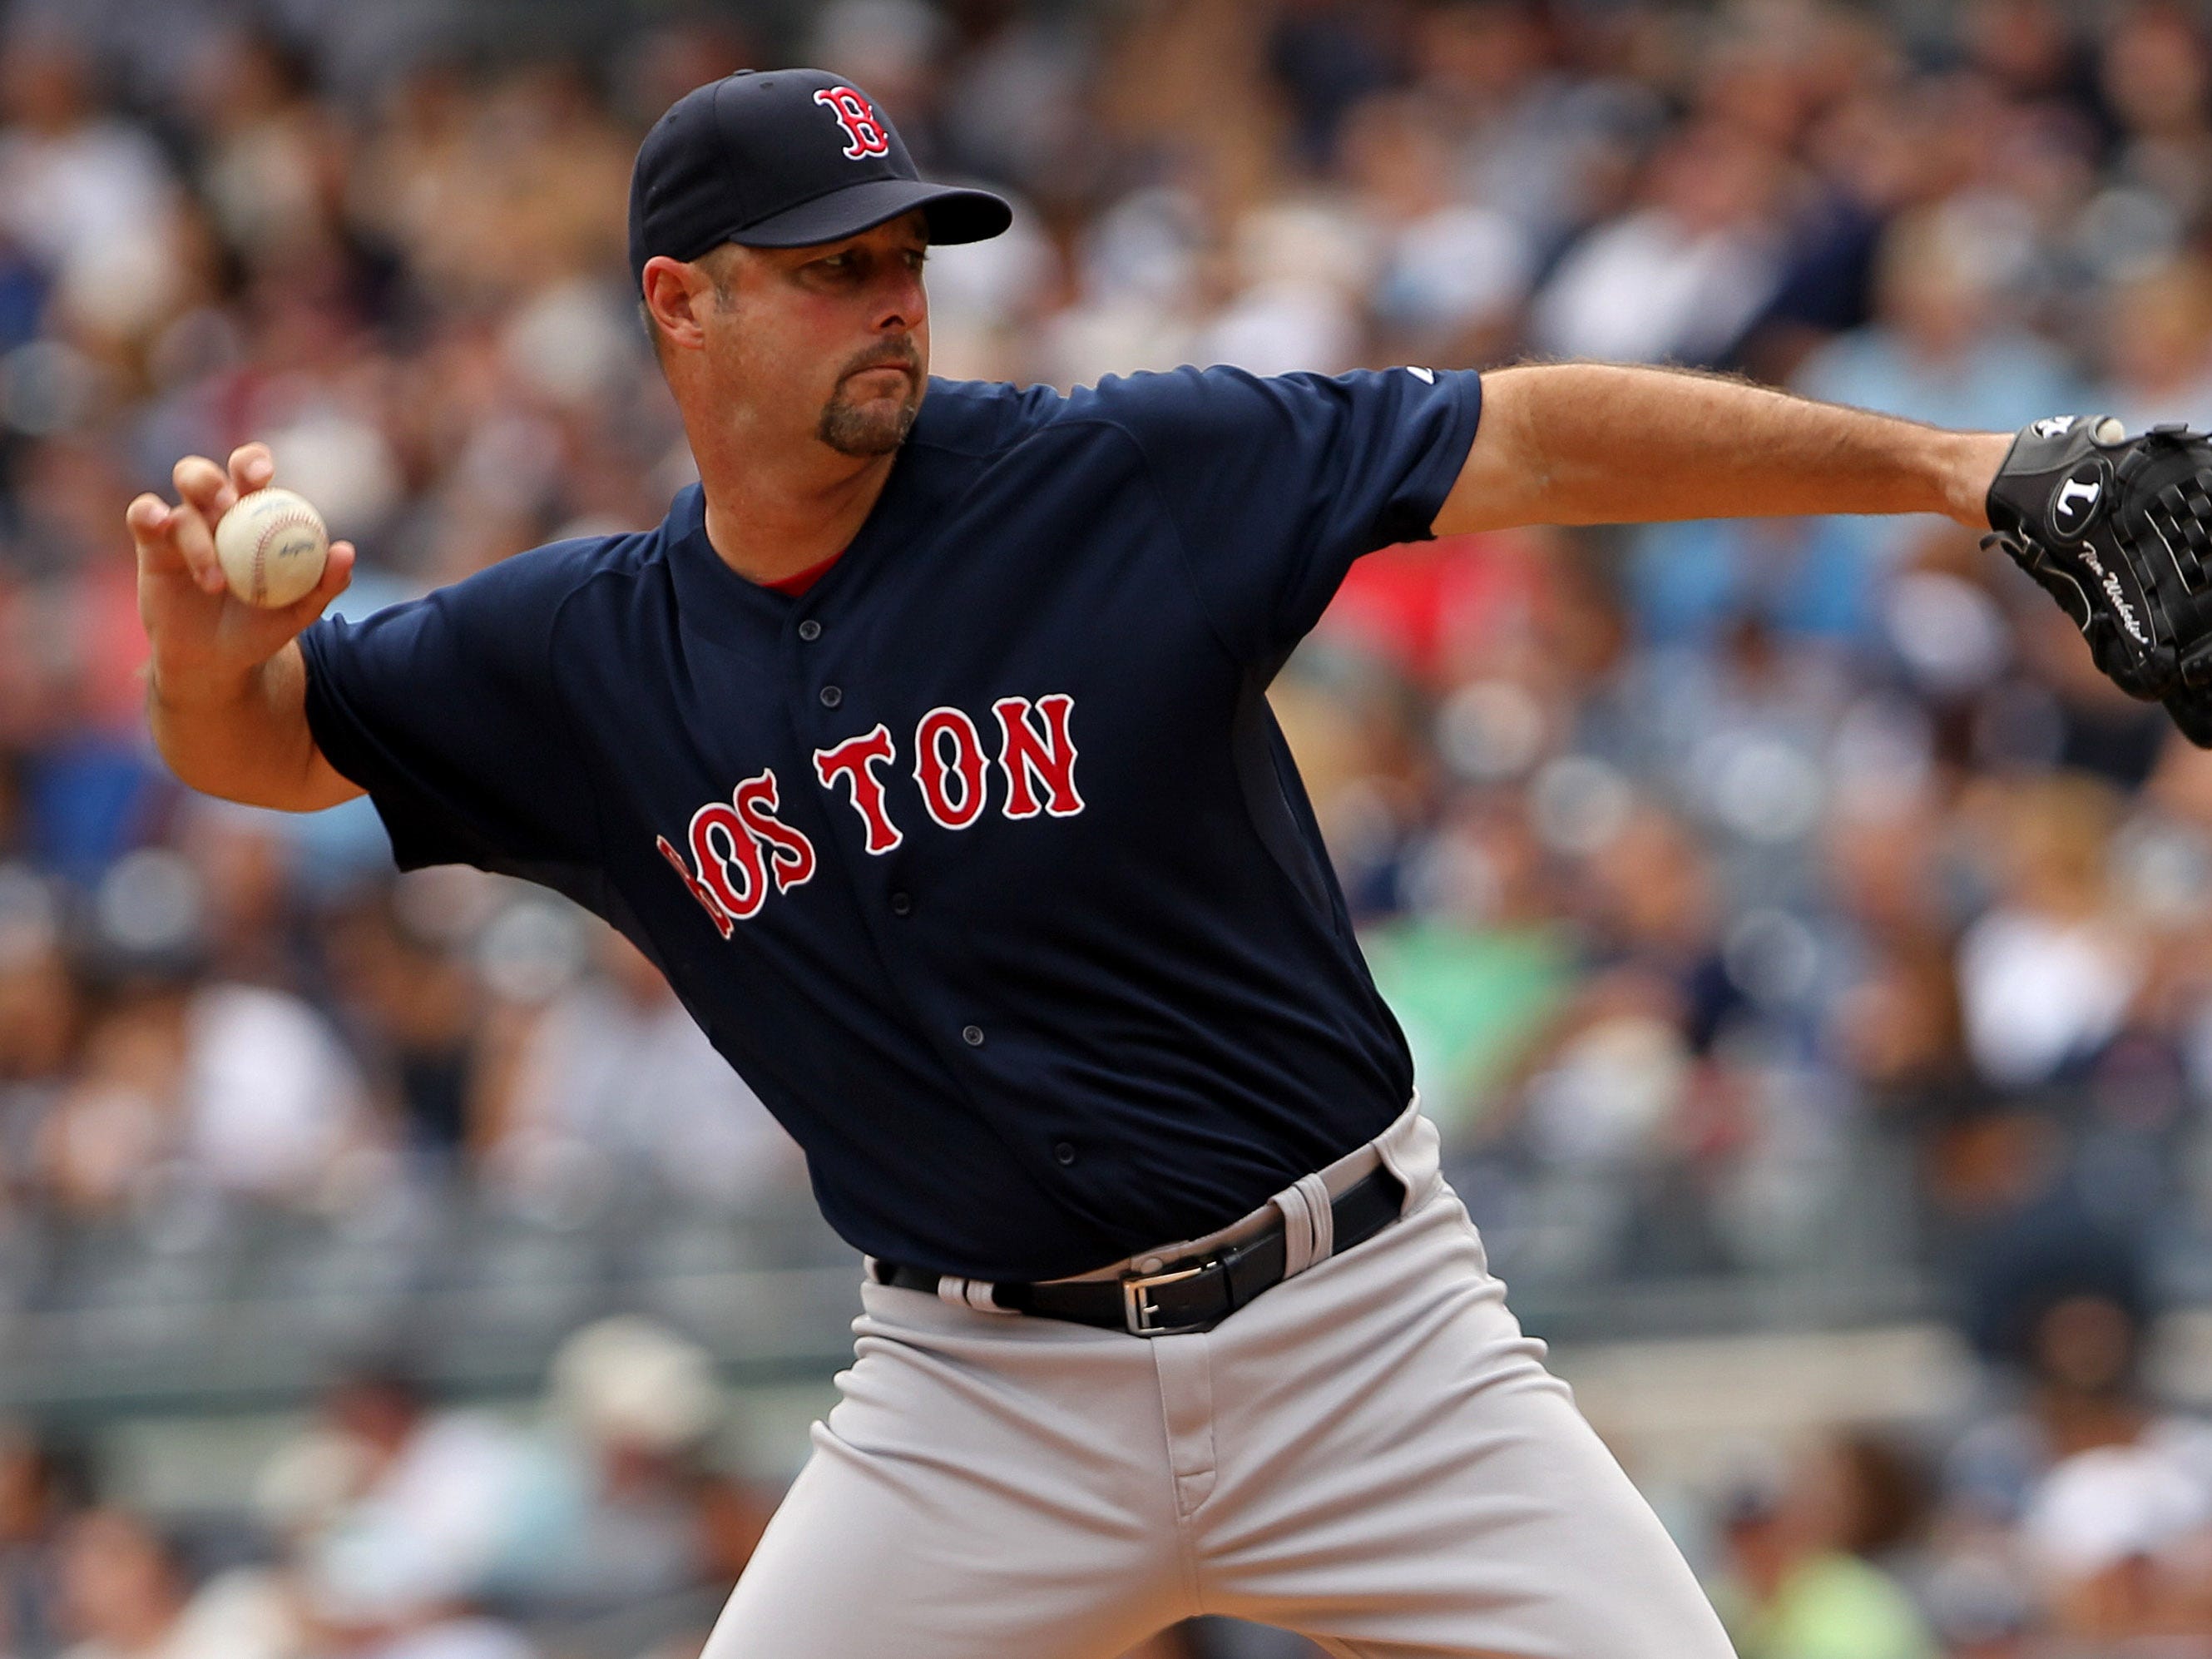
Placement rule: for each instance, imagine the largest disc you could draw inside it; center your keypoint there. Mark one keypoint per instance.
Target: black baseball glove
(2119, 530)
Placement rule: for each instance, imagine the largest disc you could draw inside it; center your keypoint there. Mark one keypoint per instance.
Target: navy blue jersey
(984, 862)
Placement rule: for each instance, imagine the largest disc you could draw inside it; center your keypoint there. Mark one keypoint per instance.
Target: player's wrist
(1967, 466)
(190, 685)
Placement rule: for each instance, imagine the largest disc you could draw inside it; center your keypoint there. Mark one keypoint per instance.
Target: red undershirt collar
(799, 581)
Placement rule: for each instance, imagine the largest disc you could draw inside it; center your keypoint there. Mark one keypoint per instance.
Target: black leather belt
(1194, 1293)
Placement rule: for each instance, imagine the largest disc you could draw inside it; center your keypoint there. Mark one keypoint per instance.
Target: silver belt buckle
(1138, 1312)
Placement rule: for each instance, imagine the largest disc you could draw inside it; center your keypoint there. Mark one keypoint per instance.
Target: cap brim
(955, 214)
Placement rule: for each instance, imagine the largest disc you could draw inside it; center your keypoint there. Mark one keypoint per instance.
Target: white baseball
(272, 547)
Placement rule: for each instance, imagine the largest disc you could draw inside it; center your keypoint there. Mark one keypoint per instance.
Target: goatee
(851, 430)
(864, 430)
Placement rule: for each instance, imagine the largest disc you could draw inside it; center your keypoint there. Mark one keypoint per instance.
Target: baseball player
(925, 747)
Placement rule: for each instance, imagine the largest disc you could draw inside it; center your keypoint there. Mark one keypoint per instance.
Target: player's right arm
(226, 686)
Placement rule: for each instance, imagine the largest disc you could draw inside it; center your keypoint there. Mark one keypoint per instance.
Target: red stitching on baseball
(260, 580)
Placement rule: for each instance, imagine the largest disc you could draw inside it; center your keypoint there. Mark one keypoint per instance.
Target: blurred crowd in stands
(1758, 897)
(392, 1526)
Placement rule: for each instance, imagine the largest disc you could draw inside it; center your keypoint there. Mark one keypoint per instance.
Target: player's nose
(901, 302)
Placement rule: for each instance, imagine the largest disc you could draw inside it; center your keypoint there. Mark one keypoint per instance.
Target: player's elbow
(1507, 480)
(248, 769)
(308, 789)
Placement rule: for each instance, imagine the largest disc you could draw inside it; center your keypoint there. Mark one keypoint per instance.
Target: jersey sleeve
(445, 711)
(1276, 485)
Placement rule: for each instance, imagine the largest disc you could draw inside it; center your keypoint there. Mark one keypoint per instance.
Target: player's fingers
(204, 486)
(174, 541)
(252, 467)
(148, 517)
(338, 574)
(208, 496)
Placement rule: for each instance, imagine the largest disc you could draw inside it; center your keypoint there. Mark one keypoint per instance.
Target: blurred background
(1808, 959)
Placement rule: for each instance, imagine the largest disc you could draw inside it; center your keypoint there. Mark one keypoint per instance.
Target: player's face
(834, 336)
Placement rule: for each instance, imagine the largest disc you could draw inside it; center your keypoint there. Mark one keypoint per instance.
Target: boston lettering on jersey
(983, 861)
(736, 846)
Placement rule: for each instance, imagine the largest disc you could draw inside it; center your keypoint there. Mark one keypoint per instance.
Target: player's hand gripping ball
(272, 547)
(2119, 530)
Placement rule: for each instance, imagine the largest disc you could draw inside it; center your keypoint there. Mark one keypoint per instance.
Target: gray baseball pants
(1371, 1454)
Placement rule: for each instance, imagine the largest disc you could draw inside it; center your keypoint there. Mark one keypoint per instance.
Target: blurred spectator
(1452, 273)
(40, 1491)
(127, 1595)
(86, 194)
(2046, 974)
(40, 1013)
(2158, 359)
(416, 1010)
(189, 1083)
(1869, 155)
(2111, 1493)
(1898, 1024)
(636, 1508)
(1682, 279)
(2123, 1531)
(2157, 70)
(1289, 281)
(614, 1080)
(1327, 54)
(2028, 47)
(2081, 1355)
(1011, 96)
(401, 1514)
(1547, 139)
(1799, 1558)
(1942, 347)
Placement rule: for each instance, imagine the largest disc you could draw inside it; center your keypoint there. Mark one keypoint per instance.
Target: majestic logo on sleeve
(864, 128)
(738, 849)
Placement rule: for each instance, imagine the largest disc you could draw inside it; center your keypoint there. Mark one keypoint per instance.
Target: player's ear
(676, 296)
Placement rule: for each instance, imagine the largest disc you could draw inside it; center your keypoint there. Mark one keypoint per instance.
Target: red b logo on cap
(858, 116)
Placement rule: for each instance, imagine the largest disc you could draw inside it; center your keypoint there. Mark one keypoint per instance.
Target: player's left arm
(1595, 443)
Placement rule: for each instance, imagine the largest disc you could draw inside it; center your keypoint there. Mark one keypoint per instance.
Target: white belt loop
(969, 1293)
(1308, 1224)
(1298, 1229)
(1322, 1217)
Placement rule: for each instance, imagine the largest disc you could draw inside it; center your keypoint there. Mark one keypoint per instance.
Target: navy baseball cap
(784, 158)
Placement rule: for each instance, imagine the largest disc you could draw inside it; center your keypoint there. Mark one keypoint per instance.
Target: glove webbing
(2178, 515)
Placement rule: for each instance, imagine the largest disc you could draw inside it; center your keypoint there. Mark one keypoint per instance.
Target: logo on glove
(2073, 504)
